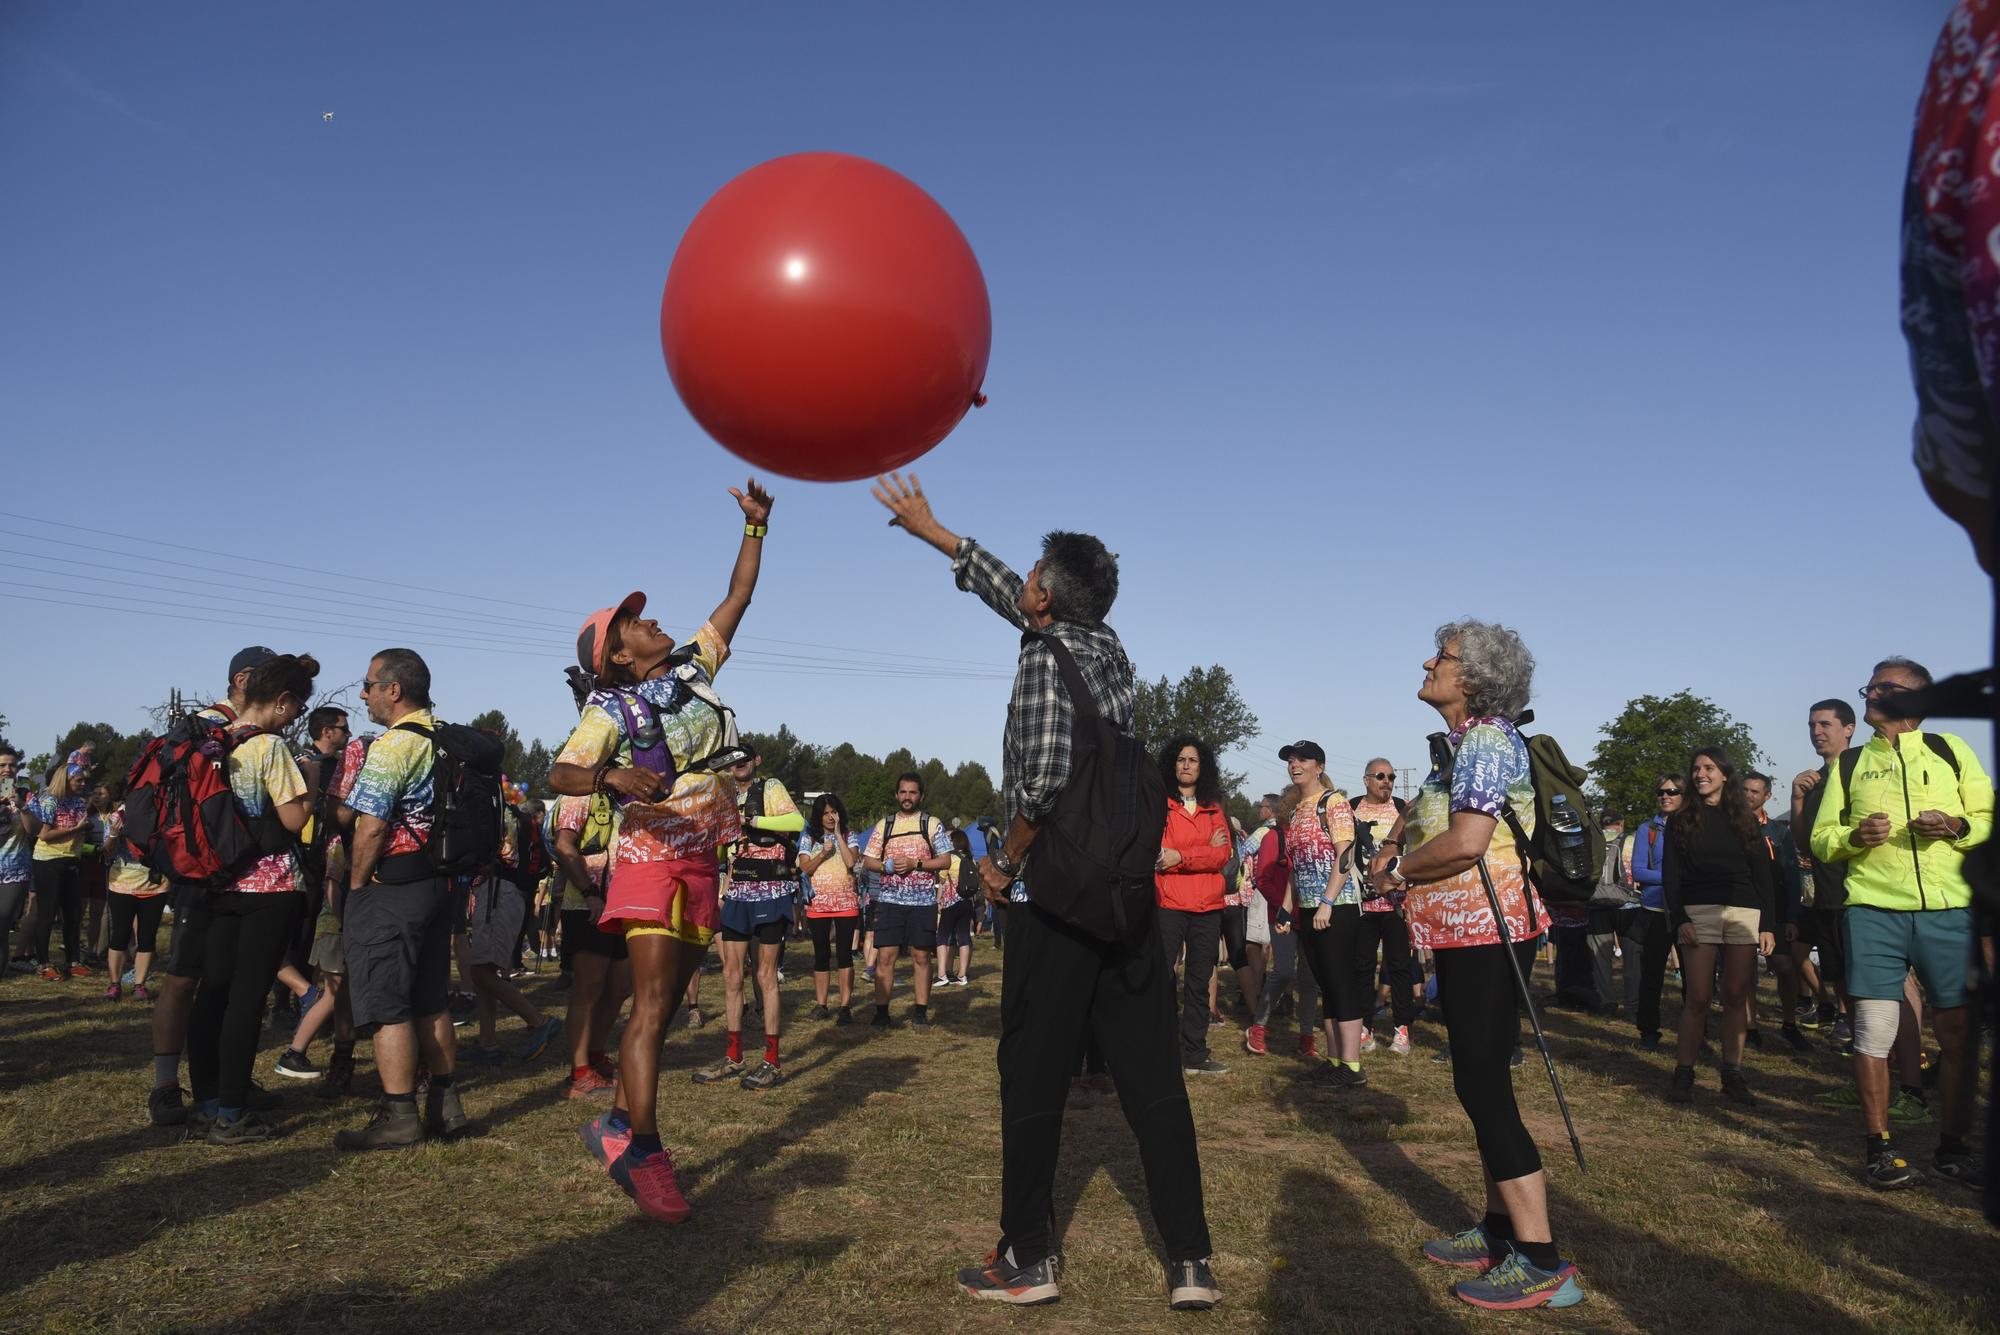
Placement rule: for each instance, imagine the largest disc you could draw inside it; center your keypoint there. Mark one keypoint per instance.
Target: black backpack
(1091, 864)
(466, 807)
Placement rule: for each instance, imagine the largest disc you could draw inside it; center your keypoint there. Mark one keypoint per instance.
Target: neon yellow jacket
(1909, 872)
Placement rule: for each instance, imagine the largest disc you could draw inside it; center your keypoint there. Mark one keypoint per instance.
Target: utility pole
(1406, 783)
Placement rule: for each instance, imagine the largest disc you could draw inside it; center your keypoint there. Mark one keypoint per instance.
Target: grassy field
(845, 1199)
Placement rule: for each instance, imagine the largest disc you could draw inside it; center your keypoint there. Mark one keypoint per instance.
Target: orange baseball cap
(593, 640)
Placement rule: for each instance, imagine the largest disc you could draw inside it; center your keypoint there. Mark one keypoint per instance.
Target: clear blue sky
(1297, 306)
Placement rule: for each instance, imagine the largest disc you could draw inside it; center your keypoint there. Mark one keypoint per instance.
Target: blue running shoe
(1514, 1284)
(1469, 1249)
(1000, 1280)
(539, 1039)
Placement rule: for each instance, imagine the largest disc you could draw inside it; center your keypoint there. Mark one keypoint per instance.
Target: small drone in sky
(326, 115)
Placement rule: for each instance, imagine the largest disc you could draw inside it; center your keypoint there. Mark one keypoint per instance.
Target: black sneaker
(920, 1019)
(1191, 1286)
(247, 1129)
(1798, 1041)
(391, 1128)
(297, 1066)
(1887, 1170)
(1960, 1166)
(819, 1012)
(167, 1106)
(1734, 1088)
(881, 1020)
(1336, 1076)
(766, 1076)
(1206, 1066)
(1442, 1057)
(845, 1016)
(444, 1115)
(1681, 1088)
(1649, 1042)
(339, 1074)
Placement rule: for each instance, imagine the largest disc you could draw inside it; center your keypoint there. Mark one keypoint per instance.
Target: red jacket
(1194, 884)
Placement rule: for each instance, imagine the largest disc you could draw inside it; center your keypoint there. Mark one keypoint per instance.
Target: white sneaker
(1367, 1041)
(1400, 1044)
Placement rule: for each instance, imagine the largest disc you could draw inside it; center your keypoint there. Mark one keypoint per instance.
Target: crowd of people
(1350, 920)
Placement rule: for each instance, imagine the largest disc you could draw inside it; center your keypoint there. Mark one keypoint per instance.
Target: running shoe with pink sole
(604, 1143)
(651, 1182)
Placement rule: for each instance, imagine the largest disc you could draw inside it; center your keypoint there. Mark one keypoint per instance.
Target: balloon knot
(978, 399)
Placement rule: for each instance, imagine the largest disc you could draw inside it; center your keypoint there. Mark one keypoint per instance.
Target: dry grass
(844, 1200)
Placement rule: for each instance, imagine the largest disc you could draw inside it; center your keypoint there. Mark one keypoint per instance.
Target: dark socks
(642, 1146)
(1541, 1255)
(440, 1083)
(1499, 1230)
(618, 1120)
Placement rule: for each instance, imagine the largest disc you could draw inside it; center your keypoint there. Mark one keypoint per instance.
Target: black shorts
(911, 925)
(1234, 943)
(1821, 928)
(954, 925)
(581, 932)
(397, 939)
(184, 944)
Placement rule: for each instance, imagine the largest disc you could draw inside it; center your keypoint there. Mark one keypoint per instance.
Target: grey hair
(1497, 669)
(406, 668)
(1080, 577)
(1909, 665)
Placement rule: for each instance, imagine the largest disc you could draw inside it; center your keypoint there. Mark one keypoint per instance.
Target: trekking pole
(1521, 981)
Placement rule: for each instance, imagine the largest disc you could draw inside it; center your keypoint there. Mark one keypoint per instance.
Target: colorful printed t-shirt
(121, 873)
(16, 849)
(573, 813)
(394, 785)
(1310, 843)
(906, 844)
(834, 892)
(1381, 818)
(56, 815)
(1490, 773)
(778, 808)
(262, 775)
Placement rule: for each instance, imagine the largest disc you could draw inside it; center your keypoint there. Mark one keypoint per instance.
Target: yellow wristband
(755, 530)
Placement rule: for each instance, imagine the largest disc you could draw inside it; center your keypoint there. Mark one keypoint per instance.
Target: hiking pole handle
(1527, 1002)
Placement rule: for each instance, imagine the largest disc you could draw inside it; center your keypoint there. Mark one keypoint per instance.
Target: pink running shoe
(652, 1184)
(604, 1143)
(114, 993)
(142, 993)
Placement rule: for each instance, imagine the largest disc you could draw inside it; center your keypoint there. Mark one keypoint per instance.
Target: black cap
(253, 657)
(1302, 751)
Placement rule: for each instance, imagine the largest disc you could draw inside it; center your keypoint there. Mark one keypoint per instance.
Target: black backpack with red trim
(181, 819)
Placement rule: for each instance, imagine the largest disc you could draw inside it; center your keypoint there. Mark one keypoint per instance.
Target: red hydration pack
(181, 819)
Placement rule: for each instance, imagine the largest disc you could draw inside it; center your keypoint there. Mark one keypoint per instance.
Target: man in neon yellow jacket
(1902, 812)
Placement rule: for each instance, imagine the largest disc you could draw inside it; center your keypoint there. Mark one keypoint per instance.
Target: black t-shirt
(1829, 878)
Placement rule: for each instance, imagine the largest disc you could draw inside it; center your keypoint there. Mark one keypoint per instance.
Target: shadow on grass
(637, 1272)
(1321, 1234)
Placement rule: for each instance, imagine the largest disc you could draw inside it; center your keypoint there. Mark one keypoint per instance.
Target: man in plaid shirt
(1061, 986)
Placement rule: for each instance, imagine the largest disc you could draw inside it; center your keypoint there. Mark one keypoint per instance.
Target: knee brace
(1875, 1024)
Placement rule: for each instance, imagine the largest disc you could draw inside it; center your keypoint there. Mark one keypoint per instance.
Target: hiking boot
(651, 1183)
(920, 1018)
(1205, 1066)
(1253, 1041)
(1734, 1088)
(246, 1129)
(1400, 1044)
(1191, 1286)
(296, 1065)
(881, 1020)
(726, 1068)
(1886, 1170)
(1000, 1280)
(844, 1016)
(1798, 1041)
(1960, 1166)
(1515, 1284)
(395, 1126)
(1469, 1250)
(444, 1116)
(819, 1012)
(1649, 1041)
(1909, 1108)
(166, 1106)
(766, 1076)
(1681, 1088)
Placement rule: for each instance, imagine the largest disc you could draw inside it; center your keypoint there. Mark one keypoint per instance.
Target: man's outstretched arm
(977, 570)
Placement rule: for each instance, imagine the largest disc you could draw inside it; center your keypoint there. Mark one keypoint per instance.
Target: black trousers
(1201, 933)
(833, 941)
(57, 890)
(125, 911)
(1482, 1021)
(1058, 989)
(246, 937)
(1390, 933)
(1656, 937)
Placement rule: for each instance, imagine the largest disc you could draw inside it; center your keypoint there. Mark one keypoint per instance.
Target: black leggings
(833, 941)
(1393, 935)
(1346, 985)
(123, 909)
(57, 887)
(244, 943)
(1482, 1021)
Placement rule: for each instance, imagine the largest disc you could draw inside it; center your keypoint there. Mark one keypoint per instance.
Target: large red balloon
(825, 319)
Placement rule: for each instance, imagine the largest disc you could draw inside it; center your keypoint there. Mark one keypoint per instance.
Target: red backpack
(181, 819)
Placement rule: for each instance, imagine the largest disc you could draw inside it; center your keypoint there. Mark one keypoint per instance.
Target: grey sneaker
(715, 1072)
(766, 1076)
(1206, 1066)
(1191, 1286)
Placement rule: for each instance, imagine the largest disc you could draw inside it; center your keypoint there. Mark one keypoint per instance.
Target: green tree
(115, 750)
(1204, 703)
(1656, 735)
(524, 763)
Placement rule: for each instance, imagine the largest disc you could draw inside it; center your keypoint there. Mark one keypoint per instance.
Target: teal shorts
(1883, 946)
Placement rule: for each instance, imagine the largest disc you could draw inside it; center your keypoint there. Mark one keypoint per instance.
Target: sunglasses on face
(1667, 792)
(1382, 776)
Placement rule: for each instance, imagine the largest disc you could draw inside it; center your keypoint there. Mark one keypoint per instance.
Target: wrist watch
(1392, 869)
(1000, 863)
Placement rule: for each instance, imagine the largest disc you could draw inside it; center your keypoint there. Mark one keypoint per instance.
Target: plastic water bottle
(1571, 847)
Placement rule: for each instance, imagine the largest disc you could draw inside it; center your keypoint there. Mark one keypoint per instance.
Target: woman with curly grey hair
(1478, 681)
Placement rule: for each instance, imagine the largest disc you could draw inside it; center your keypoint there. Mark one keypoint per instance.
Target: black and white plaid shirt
(1035, 754)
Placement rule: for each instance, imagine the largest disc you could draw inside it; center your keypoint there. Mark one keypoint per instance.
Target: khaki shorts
(327, 955)
(1719, 925)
